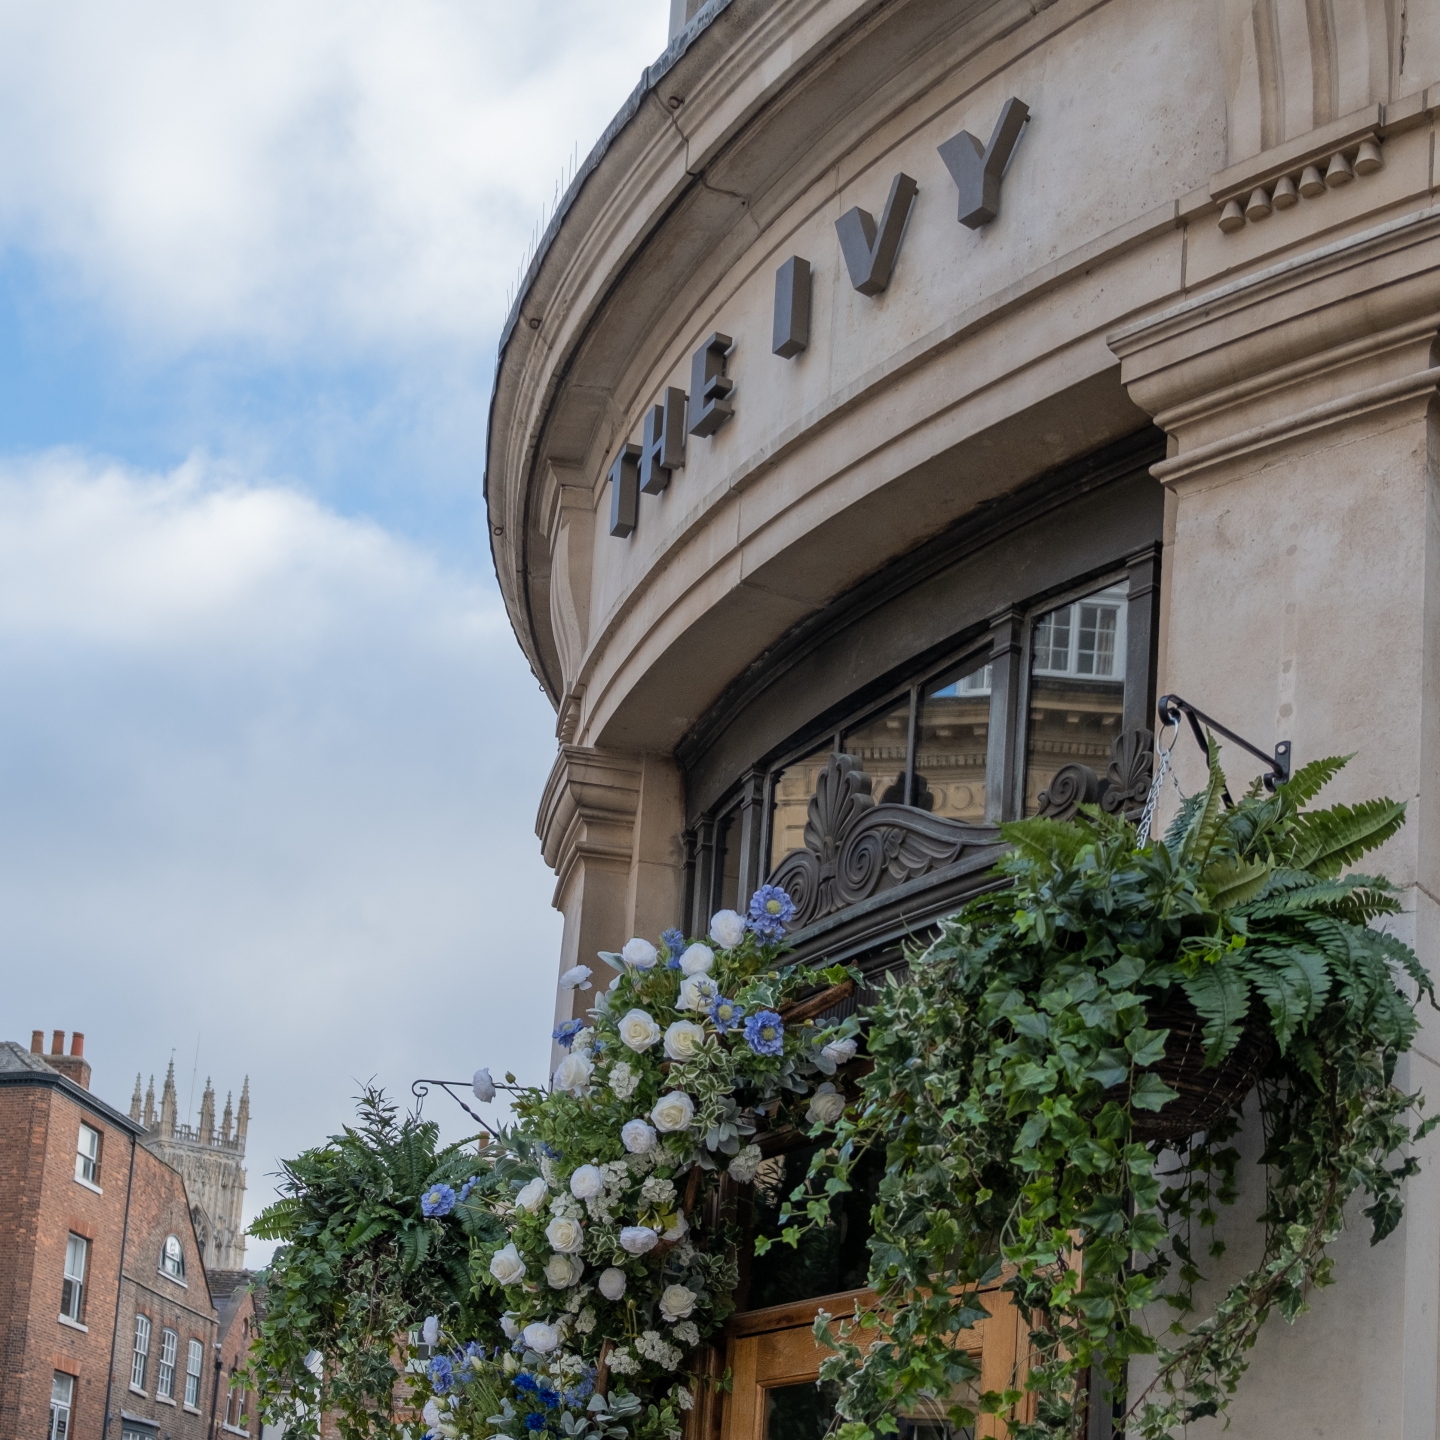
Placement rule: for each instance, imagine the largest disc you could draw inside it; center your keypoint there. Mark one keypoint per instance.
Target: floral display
(607, 1277)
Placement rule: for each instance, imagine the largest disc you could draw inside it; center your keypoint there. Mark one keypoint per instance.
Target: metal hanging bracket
(1171, 707)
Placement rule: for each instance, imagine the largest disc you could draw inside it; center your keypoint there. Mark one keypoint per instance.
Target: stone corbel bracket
(587, 813)
(1310, 166)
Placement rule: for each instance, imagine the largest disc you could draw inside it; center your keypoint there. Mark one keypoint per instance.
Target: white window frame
(165, 1375)
(173, 1266)
(60, 1409)
(1113, 598)
(194, 1366)
(140, 1359)
(87, 1157)
(72, 1287)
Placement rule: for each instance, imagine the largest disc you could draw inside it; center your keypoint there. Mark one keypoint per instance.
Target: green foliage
(1010, 1067)
(360, 1266)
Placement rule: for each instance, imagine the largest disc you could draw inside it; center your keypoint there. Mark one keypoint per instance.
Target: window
(165, 1378)
(172, 1258)
(140, 1361)
(951, 739)
(62, 1394)
(87, 1158)
(72, 1290)
(1077, 692)
(192, 1374)
(235, 1410)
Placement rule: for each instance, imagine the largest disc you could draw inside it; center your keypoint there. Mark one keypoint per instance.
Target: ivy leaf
(1146, 1047)
(1150, 1092)
(1110, 1068)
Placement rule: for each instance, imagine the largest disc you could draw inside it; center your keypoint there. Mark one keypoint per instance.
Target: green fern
(1308, 781)
(1325, 841)
(1220, 993)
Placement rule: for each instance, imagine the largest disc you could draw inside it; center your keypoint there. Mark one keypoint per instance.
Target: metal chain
(1147, 816)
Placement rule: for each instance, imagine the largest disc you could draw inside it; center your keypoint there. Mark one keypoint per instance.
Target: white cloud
(288, 171)
(267, 777)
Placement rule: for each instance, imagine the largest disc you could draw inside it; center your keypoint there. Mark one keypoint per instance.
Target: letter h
(663, 448)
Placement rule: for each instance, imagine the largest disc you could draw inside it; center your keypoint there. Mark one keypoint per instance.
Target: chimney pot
(77, 1044)
(37, 1042)
(57, 1043)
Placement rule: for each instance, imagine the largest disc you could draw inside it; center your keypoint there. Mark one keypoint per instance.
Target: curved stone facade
(1168, 368)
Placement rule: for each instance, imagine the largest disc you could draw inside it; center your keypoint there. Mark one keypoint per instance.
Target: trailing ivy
(1012, 1065)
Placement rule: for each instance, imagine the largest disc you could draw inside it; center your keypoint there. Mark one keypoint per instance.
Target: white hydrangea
(745, 1164)
(622, 1362)
(623, 1080)
(687, 1332)
(566, 1206)
(683, 1398)
(585, 1322)
(658, 1191)
(653, 1346)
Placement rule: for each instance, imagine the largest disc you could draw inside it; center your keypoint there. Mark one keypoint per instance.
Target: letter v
(977, 173)
(870, 257)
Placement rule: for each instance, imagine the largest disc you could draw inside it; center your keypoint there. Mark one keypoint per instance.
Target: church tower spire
(242, 1116)
(150, 1104)
(135, 1099)
(207, 1113)
(227, 1121)
(167, 1105)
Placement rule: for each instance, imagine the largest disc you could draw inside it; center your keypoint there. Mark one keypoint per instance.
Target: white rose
(697, 993)
(673, 1111)
(507, 1266)
(677, 1303)
(586, 1182)
(430, 1330)
(638, 1030)
(839, 1052)
(638, 1137)
(431, 1412)
(612, 1283)
(577, 977)
(640, 953)
(679, 1229)
(540, 1337)
(562, 1271)
(745, 1164)
(638, 1239)
(573, 1073)
(683, 1039)
(565, 1235)
(727, 929)
(697, 960)
(483, 1086)
(508, 1325)
(827, 1105)
(532, 1196)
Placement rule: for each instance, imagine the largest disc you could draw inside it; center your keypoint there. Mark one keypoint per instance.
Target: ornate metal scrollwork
(1122, 790)
(855, 848)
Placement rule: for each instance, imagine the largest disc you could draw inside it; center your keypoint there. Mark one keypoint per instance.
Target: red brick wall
(41, 1204)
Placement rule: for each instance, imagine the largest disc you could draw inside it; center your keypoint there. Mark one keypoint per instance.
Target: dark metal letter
(870, 256)
(709, 386)
(977, 170)
(663, 448)
(792, 308)
(625, 491)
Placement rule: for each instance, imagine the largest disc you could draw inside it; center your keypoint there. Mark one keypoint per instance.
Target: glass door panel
(880, 744)
(790, 795)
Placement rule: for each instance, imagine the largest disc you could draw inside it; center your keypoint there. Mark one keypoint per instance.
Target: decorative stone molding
(855, 848)
(1122, 790)
(587, 812)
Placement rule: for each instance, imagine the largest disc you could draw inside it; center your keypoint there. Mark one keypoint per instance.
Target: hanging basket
(1206, 1093)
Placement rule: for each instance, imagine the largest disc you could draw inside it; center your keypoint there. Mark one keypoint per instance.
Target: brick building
(107, 1326)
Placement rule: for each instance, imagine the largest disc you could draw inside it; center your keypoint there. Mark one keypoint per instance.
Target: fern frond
(1046, 841)
(1202, 832)
(1308, 781)
(1325, 841)
(1234, 882)
(1184, 819)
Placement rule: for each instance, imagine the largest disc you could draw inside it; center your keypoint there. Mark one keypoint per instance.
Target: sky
(269, 754)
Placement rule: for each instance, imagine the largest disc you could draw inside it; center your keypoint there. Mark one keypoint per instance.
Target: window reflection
(950, 745)
(880, 744)
(1077, 688)
(790, 802)
(799, 1412)
(727, 862)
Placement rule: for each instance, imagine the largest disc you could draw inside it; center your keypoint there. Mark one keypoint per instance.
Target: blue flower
(726, 1014)
(526, 1383)
(467, 1187)
(549, 1151)
(437, 1200)
(765, 1032)
(674, 942)
(442, 1373)
(548, 1398)
(771, 909)
(566, 1031)
(535, 1420)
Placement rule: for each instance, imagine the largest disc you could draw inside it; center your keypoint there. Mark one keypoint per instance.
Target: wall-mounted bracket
(1171, 707)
